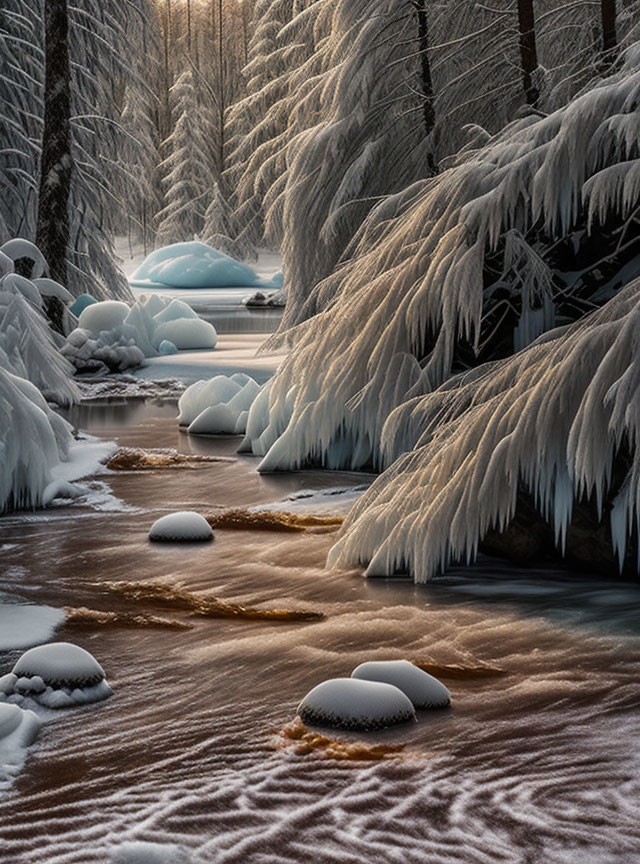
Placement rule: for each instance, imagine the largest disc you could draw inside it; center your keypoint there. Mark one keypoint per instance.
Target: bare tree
(56, 165)
(609, 37)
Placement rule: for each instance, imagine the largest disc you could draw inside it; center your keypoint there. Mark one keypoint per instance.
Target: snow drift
(218, 406)
(112, 336)
(194, 265)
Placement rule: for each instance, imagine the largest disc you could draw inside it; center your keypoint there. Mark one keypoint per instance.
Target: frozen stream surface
(540, 764)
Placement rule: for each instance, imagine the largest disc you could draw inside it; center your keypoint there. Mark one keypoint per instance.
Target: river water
(538, 764)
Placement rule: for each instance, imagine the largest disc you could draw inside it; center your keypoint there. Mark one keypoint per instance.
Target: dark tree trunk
(52, 233)
(428, 110)
(609, 38)
(528, 51)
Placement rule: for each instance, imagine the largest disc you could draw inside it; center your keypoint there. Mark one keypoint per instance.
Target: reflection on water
(240, 319)
(540, 764)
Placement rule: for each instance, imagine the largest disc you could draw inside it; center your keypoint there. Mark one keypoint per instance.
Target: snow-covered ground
(235, 352)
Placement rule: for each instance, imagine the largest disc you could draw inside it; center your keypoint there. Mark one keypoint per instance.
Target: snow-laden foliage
(556, 425)
(33, 440)
(459, 269)
(349, 100)
(28, 346)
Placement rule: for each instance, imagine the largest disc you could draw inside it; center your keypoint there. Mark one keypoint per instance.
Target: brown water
(541, 764)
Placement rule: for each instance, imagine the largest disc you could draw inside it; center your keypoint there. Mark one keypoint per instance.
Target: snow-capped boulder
(185, 526)
(60, 675)
(423, 689)
(204, 394)
(349, 703)
(193, 265)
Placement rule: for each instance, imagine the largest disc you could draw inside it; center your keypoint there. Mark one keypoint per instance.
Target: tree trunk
(428, 111)
(528, 52)
(52, 233)
(609, 39)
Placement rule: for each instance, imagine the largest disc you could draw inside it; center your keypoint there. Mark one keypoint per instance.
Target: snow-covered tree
(188, 173)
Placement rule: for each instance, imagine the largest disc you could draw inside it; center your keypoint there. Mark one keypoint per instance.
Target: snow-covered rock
(185, 526)
(423, 689)
(165, 348)
(219, 406)
(193, 265)
(58, 675)
(271, 299)
(349, 703)
(18, 730)
(139, 852)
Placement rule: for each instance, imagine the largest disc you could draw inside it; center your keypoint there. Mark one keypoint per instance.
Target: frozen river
(540, 763)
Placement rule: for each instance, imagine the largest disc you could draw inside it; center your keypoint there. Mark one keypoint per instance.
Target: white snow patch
(24, 626)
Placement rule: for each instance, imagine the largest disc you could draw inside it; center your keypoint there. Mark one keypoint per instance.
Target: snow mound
(423, 689)
(187, 334)
(108, 330)
(58, 675)
(108, 315)
(166, 347)
(138, 852)
(193, 265)
(217, 420)
(18, 730)
(186, 526)
(348, 703)
(219, 406)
